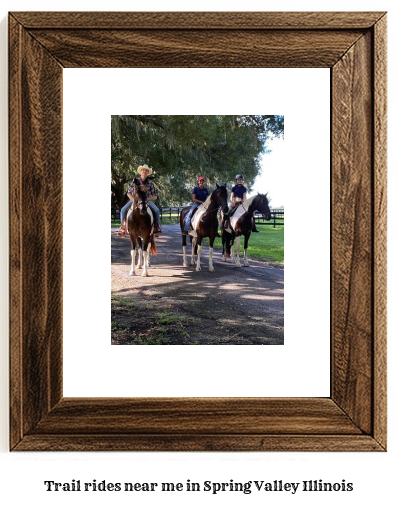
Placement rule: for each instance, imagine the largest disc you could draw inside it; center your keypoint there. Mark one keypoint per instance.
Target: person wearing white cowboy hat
(151, 195)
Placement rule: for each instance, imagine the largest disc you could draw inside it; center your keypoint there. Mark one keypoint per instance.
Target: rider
(238, 196)
(199, 195)
(151, 195)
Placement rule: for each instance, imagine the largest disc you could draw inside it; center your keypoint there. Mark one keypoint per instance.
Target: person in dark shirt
(239, 192)
(238, 196)
(199, 195)
(151, 195)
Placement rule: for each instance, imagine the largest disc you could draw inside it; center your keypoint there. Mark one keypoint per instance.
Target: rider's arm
(151, 194)
(194, 199)
(244, 196)
(232, 198)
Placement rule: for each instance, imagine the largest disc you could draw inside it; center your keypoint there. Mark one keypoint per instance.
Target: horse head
(220, 195)
(263, 206)
(140, 197)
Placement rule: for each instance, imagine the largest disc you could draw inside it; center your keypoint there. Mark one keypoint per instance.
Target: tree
(180, 148)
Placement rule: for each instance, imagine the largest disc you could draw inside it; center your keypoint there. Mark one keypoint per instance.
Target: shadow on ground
(179, 306)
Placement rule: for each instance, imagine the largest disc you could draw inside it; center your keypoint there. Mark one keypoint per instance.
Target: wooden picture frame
(353, 46)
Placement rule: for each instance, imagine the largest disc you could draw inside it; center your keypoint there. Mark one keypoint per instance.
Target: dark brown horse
(140, 229)
(241, 222)
(204, 224)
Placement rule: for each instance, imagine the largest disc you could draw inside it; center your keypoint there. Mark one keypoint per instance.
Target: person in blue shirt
(239, 195)
(239, 192)
(199, 195)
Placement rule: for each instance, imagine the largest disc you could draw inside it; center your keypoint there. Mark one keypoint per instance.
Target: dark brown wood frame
(353, 46)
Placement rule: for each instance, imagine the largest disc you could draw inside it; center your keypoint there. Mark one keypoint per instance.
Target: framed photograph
(353, 46)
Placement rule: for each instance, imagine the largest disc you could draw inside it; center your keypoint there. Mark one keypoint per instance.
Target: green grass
(268, 245)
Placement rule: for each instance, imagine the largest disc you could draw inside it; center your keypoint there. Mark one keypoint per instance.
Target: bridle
(220, 204)
(140, 204)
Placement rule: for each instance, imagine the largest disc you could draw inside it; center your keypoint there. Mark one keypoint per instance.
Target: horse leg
(185, 263)
(194, 241)
(148, 247)
(246, 238)
(140, 261)
(232, 251)
(198, 267)
(210, 252)
(132, 270)
(237, 245)
(145, 262)
(223, 247)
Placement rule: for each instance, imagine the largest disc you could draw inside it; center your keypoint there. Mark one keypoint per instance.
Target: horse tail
(153, 247)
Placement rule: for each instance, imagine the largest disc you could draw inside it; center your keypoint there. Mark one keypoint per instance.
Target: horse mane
(249, 204)
(207, 202)
(139, 190)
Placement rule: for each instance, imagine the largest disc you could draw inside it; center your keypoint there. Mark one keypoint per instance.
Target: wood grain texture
(200, 20)
(353, 45)
(199, 443)
(238, 416)
(380, 229)
(36, 231)
(15, 258)
(196, 48)
(351, 226)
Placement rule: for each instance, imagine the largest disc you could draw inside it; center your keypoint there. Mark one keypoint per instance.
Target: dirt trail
(177, 305)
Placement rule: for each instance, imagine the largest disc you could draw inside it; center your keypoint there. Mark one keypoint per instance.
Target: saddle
(191, 218)
(226, 219)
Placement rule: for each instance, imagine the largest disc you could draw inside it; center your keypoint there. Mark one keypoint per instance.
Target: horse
(205, 224)
(241, 222)
(140, 228)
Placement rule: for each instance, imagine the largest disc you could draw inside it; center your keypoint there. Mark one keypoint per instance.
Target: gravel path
(177, 305)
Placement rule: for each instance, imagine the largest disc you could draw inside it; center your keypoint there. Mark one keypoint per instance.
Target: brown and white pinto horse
(205, 224)
(240, 223)
(140, 229)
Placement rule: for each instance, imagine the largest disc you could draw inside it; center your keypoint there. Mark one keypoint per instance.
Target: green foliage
(180, 148)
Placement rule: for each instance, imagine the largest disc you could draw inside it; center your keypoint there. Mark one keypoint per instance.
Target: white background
(286, 370)
(22, 475)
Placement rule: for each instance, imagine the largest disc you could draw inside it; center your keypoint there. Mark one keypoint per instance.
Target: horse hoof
(132, 273)
(198, 269)
(145, 273)
(246, 265)
(185, 264)
(211, 269)
(238, 265)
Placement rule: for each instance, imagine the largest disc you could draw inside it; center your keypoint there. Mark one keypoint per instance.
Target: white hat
(145, 166)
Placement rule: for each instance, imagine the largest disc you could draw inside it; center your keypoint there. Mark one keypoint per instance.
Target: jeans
(154, 208)
(124, 210)
(189, 215)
